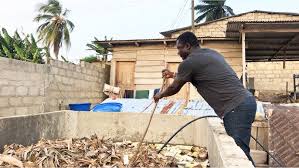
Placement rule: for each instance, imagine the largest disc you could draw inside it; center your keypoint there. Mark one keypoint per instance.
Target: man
(218, 84)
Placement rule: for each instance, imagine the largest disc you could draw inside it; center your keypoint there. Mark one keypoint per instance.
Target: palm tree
(55, 28)
(212, 10)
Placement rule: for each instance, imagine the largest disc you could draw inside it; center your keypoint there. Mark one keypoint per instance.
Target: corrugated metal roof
(169, 32)
(193, 108)
(236, 26)
(111, 43)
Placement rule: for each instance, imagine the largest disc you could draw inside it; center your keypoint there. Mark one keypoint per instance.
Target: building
(247, 38)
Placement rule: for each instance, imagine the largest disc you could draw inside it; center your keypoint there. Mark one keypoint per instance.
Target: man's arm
(184, 75)
(172, 89)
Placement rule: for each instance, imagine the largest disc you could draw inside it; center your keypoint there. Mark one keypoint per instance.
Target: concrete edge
(225, 151)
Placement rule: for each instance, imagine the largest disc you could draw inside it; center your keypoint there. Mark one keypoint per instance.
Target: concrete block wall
(69, 83)
(28, 88)
(21, 87)
(271, 77)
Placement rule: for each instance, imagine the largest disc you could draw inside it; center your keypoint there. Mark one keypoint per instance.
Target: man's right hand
(167, 74)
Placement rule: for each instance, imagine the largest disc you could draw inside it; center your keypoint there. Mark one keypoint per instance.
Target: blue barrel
(80, 106)
(107, 107)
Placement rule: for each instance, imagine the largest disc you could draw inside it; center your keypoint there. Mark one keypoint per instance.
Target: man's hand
(167, 74)
(157, 97)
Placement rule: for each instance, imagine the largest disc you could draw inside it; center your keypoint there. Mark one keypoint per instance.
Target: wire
(180, 129)
(183, 128)
(182, 16)
(281, 165)
(178, 15)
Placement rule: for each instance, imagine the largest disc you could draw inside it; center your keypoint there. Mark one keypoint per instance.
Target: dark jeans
(238, 123)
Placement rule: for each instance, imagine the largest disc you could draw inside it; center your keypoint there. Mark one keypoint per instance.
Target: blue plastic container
(107, 107)
(80, 106)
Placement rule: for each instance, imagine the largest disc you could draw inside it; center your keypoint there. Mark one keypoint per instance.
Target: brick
(28, 100)
(62, 72)
(53, 102)
(65, 65)
(39, 100)
(34, 91)
(34, 110)
(78, 69)
(8, 91)
(4, 102)
(41, 68)
(16, 101)
(22, 111)
(5, 112)
(21, 91)
(8, 74)
(3, 82)
(54, 70)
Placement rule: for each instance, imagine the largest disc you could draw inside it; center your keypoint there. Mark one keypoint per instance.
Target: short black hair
(188, 37)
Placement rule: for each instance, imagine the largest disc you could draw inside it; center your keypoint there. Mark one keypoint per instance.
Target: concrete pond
(209, 133)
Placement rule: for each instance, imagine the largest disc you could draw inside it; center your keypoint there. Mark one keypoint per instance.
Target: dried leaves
(95, 152)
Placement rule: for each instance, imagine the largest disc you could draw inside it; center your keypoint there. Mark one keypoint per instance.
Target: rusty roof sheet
(193, 108)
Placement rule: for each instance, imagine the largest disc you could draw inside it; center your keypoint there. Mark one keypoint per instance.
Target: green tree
(55, 29)
(212, 10)
(101, 51)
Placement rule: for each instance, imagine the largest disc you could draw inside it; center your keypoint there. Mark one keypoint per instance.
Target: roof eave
(169, 32)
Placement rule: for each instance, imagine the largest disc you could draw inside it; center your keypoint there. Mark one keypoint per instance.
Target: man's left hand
(157, 97)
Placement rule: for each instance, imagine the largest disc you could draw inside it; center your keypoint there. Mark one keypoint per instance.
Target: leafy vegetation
(90, 59)
(25, 49)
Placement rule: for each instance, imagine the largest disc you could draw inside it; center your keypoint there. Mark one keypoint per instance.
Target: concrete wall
(222, 150)
(271, 77)
(29, 129)
(28, 88)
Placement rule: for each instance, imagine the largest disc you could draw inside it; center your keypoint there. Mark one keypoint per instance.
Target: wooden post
(287, 88)
(243, 59)
(284, 60)
(192, 15)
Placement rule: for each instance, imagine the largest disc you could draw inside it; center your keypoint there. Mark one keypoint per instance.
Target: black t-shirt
(214, 79)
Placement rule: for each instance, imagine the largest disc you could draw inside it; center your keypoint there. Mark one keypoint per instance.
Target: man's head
(185, 42)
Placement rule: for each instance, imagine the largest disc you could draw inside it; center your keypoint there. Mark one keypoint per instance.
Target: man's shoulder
(186, 64)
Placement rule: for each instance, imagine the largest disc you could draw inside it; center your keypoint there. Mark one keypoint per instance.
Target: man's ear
(188, 46)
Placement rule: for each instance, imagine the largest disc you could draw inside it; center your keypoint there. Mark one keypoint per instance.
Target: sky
(121, 19)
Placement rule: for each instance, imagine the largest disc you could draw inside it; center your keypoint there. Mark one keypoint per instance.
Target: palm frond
(71, 25)
(202, 16)
(66, 13)
(203, 8)
(66, 37)
(41, 17)
(229, 10)
(42, 26)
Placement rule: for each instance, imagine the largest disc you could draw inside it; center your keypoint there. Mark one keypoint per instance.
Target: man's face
(183, 49)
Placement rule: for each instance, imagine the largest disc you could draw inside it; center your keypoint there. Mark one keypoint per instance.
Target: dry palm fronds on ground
(95, 152)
